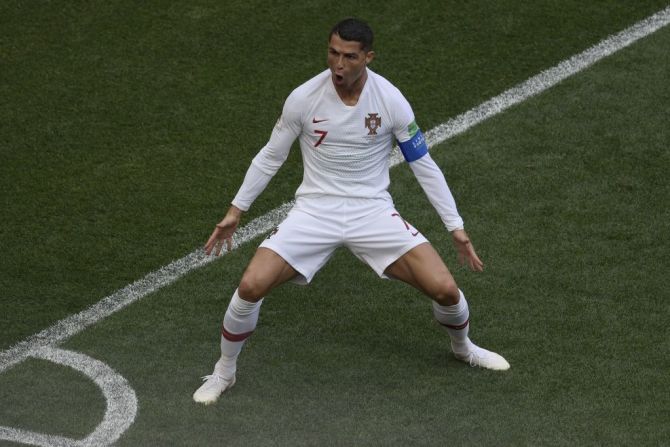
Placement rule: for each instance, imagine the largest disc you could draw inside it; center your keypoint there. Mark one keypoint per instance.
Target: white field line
(120, 397)
(166, 275)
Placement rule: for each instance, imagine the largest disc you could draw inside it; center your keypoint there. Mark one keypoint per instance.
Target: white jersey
(345, 149)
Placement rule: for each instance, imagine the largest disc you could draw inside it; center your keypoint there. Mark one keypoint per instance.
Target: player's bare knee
(447, 294)
(250, 289)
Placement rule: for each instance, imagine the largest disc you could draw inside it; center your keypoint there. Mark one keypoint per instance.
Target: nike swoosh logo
(314, 120)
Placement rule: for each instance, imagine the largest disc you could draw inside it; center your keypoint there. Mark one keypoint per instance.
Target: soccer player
(346, 119)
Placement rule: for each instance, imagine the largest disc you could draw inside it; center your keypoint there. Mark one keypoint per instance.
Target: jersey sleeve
(410, 138)
(286, 130)
(415, 150)
(435, 186)
(271, 157)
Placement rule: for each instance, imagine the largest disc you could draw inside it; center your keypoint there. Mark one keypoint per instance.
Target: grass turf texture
(127, 128)
(565, 199)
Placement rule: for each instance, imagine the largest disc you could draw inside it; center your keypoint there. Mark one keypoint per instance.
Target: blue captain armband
(414, 148)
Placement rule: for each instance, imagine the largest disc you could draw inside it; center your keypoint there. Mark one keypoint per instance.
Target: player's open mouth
(339, 78)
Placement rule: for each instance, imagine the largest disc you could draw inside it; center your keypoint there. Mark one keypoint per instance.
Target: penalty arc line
(35, 345)
(64, 329)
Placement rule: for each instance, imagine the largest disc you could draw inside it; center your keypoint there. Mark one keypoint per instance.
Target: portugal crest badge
(373, 122)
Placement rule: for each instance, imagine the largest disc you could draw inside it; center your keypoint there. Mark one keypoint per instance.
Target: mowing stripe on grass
(166, 275)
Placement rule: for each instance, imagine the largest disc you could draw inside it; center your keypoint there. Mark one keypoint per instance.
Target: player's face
(347, 61)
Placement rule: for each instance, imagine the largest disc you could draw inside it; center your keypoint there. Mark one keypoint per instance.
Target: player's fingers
(476, 264)
(217, 246)
(213, 237)
(229, 243)
(213, 245)
(208, 247)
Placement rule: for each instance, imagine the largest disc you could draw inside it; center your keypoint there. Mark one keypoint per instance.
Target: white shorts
(371, 228)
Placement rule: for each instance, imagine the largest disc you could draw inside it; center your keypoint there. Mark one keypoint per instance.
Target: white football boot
(477, 356)
(214, 386)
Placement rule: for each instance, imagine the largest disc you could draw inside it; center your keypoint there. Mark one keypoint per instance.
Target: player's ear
(369, 56)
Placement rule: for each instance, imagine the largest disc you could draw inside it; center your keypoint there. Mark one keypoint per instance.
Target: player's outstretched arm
(223, 232)
(435, 186)
(466, 251)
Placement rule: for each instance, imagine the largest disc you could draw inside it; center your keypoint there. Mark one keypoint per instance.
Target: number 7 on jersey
(323, 134)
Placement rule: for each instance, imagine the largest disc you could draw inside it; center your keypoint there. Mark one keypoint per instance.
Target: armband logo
(373, 122)
(418, 141)
(412, 129)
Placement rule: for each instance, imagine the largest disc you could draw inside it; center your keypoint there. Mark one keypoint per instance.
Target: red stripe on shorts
(234, 337)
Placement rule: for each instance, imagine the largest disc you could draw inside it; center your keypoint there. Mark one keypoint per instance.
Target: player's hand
(223, 232)
(466, 251)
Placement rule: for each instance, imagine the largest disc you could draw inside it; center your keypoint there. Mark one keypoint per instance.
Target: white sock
(238, 324)
(456, 320)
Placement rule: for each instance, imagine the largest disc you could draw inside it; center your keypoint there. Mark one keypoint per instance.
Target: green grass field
(126, 129)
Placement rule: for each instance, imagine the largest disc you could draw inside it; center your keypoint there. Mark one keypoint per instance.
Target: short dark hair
(354, 30)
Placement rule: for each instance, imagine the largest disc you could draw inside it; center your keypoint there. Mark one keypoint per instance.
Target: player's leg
(296, 250)
(266, 271)
(423, 268)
